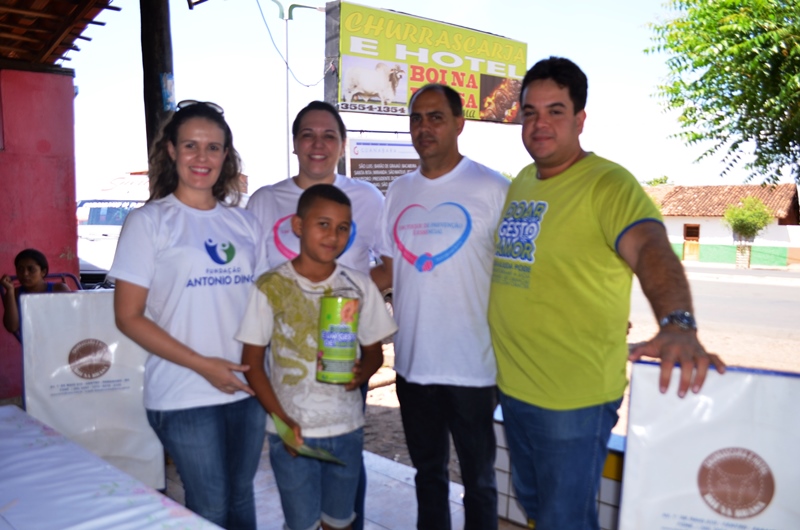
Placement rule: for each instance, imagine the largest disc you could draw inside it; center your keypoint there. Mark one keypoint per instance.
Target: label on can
(338, 339)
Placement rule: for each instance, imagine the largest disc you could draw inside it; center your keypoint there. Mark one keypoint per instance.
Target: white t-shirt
(198, 266)
(284, 310)
(441, 232)
(275, 205)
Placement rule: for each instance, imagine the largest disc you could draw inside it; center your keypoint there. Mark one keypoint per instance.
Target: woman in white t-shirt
(183, 266)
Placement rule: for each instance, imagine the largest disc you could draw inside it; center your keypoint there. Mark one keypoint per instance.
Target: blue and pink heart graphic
(447, 225)
(284, 226)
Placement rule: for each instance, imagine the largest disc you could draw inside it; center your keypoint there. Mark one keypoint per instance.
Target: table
(49, 482)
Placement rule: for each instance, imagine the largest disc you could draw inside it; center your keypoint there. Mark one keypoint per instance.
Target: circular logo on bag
(90, 359)
(736, 482)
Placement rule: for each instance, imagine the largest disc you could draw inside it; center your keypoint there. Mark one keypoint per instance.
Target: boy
(284, 310)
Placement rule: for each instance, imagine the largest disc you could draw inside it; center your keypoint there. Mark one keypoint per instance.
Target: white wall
(714, 232)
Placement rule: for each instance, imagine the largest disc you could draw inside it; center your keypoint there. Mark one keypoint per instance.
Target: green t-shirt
(560, 294)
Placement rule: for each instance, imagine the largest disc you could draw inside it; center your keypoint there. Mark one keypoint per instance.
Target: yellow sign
(385, 56)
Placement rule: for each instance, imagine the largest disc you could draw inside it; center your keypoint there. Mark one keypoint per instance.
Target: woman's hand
(129, 308)
(220, 373)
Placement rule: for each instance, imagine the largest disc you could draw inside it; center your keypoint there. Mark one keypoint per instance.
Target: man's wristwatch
(682, 319)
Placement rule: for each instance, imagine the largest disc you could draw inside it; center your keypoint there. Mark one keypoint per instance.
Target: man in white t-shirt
(439, 224)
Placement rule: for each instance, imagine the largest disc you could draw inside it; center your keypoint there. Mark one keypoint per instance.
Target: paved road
(750, 317)
(758, 302)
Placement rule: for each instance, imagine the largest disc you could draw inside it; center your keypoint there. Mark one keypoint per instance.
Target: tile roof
(711, 201)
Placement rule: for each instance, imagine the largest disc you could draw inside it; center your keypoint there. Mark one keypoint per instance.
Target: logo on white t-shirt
(427, 238)
(221, 253)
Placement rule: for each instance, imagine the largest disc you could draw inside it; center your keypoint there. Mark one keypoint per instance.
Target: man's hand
(679, 347)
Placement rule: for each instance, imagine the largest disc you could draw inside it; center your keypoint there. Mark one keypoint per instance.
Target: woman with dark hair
(32, 268)
(183, 266)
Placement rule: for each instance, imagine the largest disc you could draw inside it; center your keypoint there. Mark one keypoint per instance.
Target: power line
(280, 54)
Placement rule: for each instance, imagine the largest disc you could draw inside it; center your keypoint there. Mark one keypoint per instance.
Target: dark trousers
(361, 492)
(430, 413)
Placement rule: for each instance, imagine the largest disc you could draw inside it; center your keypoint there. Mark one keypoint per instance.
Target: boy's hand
(6, 282)
(358, 377)
(297, 435)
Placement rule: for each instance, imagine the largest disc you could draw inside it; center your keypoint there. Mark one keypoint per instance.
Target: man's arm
(646, 249)
(381, 274)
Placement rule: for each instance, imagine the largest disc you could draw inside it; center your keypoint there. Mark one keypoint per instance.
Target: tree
(746, 221)
(734, 76)
(658, 181)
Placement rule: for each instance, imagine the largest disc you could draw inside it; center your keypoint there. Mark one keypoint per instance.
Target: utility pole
(159, 89)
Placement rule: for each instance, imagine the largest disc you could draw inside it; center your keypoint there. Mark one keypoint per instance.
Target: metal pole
(288, 123)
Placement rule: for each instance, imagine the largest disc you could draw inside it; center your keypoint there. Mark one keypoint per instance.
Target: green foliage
(658, 181)
(508, 175)
(749, 219)
(734, 76)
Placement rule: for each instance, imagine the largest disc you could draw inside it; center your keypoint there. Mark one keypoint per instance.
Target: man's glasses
(189, 102)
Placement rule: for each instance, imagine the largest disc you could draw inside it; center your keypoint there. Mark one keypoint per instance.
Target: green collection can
(338, 339)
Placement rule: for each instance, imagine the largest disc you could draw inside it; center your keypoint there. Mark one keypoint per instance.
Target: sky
(222, 52)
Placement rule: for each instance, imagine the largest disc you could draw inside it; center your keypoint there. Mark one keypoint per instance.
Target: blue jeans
(557, 457)
(216, 450)
(312, 490)
(432, 412)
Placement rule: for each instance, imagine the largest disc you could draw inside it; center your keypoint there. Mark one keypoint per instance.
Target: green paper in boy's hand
(287, 435)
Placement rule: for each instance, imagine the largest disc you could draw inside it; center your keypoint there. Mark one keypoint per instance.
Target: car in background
(99, 225)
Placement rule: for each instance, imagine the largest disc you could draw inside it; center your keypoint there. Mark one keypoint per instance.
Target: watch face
(682, 319)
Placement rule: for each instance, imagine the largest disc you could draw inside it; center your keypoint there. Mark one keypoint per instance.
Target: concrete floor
(391, 501)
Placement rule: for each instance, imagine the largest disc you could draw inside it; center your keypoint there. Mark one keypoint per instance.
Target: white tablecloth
(49, 482)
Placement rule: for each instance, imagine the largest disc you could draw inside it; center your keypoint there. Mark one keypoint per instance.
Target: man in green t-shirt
(575, 228)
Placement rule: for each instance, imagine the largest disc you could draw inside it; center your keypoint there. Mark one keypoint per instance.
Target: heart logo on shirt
(282, 232)
(431, 236)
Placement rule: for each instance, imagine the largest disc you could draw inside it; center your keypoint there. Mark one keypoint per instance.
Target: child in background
(31, 268)
(283, 311)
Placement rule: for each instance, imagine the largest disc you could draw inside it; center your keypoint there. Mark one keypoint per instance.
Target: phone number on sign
(363, 107)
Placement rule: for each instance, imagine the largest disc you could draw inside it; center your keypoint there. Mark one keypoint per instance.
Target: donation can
(338, 339)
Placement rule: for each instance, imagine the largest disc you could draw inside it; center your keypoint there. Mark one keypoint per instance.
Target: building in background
(693, 218)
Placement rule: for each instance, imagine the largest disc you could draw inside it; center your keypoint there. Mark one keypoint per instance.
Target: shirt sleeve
(135, 257)
(256, 327)
(385, 242)
(261, 263)
(620, 202)
(260, 206)
(374, 322)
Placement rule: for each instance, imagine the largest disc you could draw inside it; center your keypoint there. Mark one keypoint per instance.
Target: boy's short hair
(321, 191)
